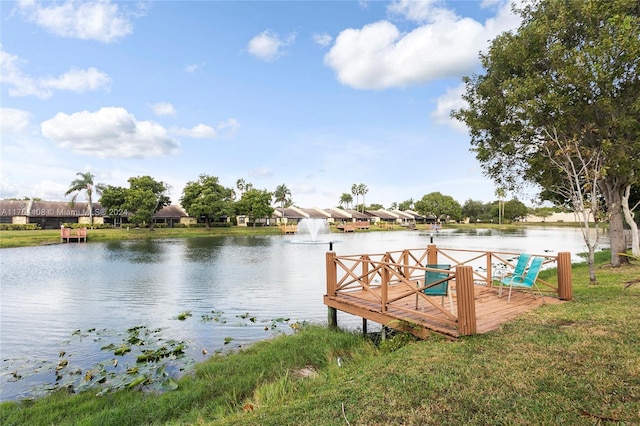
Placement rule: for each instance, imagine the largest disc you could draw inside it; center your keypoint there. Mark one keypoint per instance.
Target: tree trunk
(207, 220)
(612, 190)
(628, 216)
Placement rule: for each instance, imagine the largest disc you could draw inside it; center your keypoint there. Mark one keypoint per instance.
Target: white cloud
(201, 131)
(268, 45)
(451, 100)
(163, 108)
(191, 68)
(20, 84)
(421, 11)
(229, 127)
(77, 80)
(97, 20)
(323, 39)
(109, 132)
(13, 121)
(260, 172)
(379, 56)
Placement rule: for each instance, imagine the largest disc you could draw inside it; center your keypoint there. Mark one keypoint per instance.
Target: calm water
(78, 298)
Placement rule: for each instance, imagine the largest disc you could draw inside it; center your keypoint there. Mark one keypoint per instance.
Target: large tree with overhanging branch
(558, 106)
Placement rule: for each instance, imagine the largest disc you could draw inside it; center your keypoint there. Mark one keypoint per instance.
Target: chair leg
(539, 292)
(509, 299)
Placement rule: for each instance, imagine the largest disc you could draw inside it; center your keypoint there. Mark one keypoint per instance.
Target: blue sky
(317, 95)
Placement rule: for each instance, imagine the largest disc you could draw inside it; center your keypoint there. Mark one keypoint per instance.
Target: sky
(315, 95)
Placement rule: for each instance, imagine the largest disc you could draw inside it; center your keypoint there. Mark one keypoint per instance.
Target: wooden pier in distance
(388, 289)
(69, 235)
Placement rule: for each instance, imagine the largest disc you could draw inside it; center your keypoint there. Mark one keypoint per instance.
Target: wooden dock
(387, 289)
(68, 235)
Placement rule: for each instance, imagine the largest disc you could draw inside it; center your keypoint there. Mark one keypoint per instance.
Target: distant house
(53, 214)
(383, 216)
(48, 214)
(569, 217)
(172, 215)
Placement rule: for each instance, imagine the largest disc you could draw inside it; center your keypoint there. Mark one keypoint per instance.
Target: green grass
(43, 237)
(577, 363)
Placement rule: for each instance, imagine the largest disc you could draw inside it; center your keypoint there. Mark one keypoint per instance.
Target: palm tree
(500, 193)
(345, 199)
(240, 184)
(362, 190)
(84, 183)
(282, 195)
(355, 192)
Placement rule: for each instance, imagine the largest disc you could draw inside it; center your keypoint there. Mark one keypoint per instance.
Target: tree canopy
(256, 204)
(442, 206)
(208, 199)
(558, 105)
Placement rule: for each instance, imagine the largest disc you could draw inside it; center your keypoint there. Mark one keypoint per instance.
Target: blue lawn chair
(440, 289)
(521, 266)
(526, 281)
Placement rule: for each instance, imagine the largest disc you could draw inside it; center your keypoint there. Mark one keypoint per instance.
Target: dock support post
(332, 317)
(466, 300)
(332, 282)
(565, 288)
(364, 326)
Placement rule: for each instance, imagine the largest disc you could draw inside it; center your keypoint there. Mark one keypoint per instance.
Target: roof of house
(358, 215)
(170, 212)
(316, 213)
(383, 214)
(337, 213)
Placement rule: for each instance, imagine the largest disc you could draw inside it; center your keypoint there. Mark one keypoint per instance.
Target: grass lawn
(577, 363)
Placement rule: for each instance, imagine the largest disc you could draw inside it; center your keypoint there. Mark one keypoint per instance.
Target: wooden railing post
(384, 290)
(365, 269)
(465, 300)
(432, 254)
(405, 262)
(565, 286)
(489, 270)
(332, 283)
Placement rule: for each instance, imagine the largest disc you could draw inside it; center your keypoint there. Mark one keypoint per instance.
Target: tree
(282, 195)
(113, 200)
(513, 210)
(406, 205)
(629, 217)
(345, 200)
(558, 105)
(208, 199)
(442, 206)
(476, 211)
(144, 197)
(84, 183)
(243, 186)
(356, 192)
(256, 204)
(501, 194)
(362, 190)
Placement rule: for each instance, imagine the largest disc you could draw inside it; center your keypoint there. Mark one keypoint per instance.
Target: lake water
(73, 302)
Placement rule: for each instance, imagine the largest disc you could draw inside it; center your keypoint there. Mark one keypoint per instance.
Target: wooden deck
(491, 310)
(387, 288)
(68, 235)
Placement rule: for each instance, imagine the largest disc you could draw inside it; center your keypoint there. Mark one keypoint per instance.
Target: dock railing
(390, 279)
